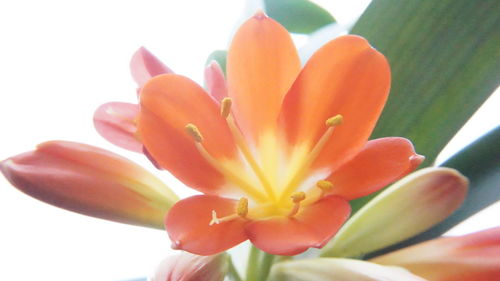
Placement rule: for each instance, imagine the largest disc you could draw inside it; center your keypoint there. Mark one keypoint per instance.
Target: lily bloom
(279, 158)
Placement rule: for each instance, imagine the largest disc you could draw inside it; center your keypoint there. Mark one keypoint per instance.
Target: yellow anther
(194, 132)
(242, 208)
(225, 107)
(298, 196)
(324, 185)
(334, 121)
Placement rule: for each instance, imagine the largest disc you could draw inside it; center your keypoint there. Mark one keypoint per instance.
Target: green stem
(265, 266)
(253, 264)
(232, 272)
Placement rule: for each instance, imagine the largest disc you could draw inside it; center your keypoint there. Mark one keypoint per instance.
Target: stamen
(250, 190)
(225, 107)
(194, 132)
(331, 122)
(240, 141)
(325, 186)
(297, 197)
(241, 211)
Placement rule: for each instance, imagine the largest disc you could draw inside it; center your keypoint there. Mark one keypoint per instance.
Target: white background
(59, 60)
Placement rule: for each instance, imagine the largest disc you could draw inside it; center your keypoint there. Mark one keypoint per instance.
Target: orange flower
(279, 158)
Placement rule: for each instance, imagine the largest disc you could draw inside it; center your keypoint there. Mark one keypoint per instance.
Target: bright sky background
(59, 60)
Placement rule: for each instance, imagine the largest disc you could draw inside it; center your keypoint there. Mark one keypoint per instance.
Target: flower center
(270, 198)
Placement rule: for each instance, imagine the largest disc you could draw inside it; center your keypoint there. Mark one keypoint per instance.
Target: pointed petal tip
(176, 245)
(260, 15)
(213, 64)
(417, 159)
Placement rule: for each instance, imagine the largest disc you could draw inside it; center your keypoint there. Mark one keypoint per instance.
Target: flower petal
(188, 225)
(313, 226)
(115, 121)
(144, 66)
(473, 257)
(334, 269)
(168, 103)
(348, 77)
(262, 64)
(91, 181)
(381, 162)
(189, 267)
(408, 207)
(215, 81)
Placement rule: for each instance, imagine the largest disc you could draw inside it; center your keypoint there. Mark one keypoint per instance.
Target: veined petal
(144, 66)
(473, 257)
(313, 226)
(262, 64)
(215, 81)
(189, 267)
(91, 181)
(347, 77)
(408, 207)
(381, 162)
(188, 225)
(116, 122)
(335, 269)
(168, 103)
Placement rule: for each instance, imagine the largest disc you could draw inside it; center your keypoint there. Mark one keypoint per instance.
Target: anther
(334, 121)
(242, 207)
(225, 107)
(194, 132)
(297, 197)
(325, 186)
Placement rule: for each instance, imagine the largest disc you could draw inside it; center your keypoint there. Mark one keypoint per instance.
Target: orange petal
(115, 121)
(473, 257)
(262, 64)
(168, 103)
(381, 162)
(144, 66)
(189, 267)
(215, 81)
(188, 226)
(348, 77)
(91, 181)
(313, 226)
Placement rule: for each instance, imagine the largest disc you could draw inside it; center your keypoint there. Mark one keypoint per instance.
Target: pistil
(240, 211)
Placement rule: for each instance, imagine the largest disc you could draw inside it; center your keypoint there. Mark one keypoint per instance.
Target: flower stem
(253, 264)
(259, 265)
(265, 266)
(232, 272)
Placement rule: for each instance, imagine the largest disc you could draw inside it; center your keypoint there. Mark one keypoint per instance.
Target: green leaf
(480, 163)
(298, 16)
(220, 57)
(444, 57)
